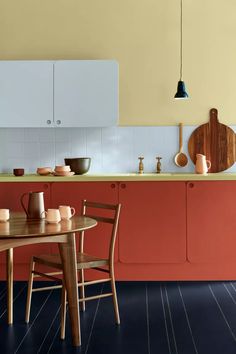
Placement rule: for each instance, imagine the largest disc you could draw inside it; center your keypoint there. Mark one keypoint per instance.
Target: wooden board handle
(213, 116)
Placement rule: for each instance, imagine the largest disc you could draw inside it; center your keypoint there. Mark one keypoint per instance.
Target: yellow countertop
(121, 177)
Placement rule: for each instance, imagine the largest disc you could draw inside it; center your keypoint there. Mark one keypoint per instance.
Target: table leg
(9, 254)
(68, 257)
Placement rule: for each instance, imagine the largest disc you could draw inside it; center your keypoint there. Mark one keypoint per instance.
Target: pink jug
(202, 165)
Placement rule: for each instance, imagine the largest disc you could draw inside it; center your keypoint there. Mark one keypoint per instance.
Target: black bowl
(78, 165)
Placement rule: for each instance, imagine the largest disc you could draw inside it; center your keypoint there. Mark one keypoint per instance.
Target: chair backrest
(94, 210)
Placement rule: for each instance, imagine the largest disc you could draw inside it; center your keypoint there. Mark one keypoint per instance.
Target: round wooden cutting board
(214, 140)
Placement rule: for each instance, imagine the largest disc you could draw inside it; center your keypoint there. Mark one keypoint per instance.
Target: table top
(19, 226)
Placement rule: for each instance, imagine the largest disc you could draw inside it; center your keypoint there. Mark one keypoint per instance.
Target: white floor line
(94, 318)
(55, 335)
(222, 313)
(18, 294)
(164, 314)
(171, 321)
(187, 319)
(32, 323)
(234, 301)
(148, 327)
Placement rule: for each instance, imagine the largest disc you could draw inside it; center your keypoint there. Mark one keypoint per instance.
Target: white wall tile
(78, 142)
(46, 135)
(32, 135)
(113, 149)
(47, 155)
(110, 150)
(94, 148)
(125, 142)
(31, 156)
(62, 150)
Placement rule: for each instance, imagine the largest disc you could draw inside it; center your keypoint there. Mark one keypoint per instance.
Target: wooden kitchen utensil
(181, 159)
(214, 140)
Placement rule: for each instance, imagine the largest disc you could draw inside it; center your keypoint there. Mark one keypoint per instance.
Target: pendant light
(181, 91)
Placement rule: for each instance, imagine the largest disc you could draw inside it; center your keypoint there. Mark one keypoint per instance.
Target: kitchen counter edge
(121, 177)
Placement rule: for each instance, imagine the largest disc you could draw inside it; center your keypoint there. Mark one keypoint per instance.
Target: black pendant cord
(181, 39)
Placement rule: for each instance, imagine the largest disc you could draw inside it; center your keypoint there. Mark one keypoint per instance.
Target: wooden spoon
(181, 159)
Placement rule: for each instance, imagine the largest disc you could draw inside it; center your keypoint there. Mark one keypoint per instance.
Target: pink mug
(66, 212)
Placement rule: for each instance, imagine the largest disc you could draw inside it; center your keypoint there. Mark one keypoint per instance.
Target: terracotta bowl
(62, 169)
(43, 171)
(79, 165)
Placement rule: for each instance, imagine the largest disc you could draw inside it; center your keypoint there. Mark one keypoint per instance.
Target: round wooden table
(20, 231)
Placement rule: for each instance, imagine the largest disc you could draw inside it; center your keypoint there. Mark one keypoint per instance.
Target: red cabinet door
(153, 222)
(72, 193)
(10, 194)
(211, 221)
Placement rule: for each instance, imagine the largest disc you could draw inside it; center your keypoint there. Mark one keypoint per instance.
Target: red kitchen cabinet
(153, 222)
(72, 193)
(10, 194)
(211, 221)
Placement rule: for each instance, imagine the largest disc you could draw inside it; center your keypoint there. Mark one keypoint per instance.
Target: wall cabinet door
(26, 93)
(211, 221)
(86, 93)
(153, 222)
(70, 193)
(10, 194)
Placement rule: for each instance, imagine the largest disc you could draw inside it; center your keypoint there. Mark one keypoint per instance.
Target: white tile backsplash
(113, 149)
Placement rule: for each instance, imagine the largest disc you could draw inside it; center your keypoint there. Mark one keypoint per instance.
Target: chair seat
(83, 261)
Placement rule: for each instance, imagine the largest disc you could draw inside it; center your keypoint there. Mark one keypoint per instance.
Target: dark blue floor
(156, 318)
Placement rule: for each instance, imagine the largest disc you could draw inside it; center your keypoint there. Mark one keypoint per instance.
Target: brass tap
(140, 165)
(158, 164)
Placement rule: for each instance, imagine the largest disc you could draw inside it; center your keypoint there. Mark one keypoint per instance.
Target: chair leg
(114, 297)
(82, 292)
(63, 311)
(29, 292)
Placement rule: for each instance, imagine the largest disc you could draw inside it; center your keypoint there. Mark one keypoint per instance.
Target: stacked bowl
(63, 171)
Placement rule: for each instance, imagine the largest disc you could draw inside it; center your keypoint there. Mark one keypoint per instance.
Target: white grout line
(187, 318)
(171, 321)
(222, 313)
(164, 314)
(148, 326)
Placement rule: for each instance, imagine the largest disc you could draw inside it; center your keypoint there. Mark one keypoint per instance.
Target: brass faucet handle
(140, 166)
(158, 164)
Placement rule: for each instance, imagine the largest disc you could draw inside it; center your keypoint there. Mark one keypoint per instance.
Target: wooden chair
(84, 261)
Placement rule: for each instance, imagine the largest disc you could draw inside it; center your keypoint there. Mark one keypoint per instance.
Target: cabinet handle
(45, 186)
(123, 185)
(49, 121)
(113, 185)
(191, 185)
(58, 122)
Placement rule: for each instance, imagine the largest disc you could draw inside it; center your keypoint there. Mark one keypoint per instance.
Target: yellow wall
(143, 36)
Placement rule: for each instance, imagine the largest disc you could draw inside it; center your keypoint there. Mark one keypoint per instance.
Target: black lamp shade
(181, 92)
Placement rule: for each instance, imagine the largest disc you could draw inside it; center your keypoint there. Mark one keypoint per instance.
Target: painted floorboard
(156, 318)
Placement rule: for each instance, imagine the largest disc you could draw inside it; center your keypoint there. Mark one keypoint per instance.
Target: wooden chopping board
(214, 140)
